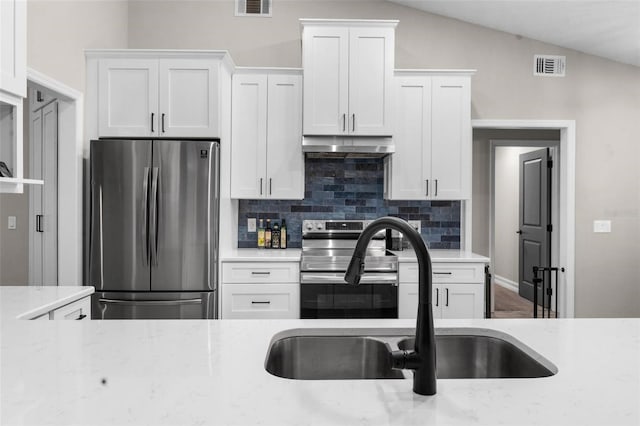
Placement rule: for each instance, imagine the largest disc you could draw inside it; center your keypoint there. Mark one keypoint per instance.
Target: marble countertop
(293, 255)
(212, 372)
(28, 302)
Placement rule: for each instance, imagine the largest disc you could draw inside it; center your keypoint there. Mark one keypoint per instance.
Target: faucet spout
(422, 360)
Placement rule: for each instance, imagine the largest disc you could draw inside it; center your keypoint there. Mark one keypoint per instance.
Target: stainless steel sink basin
(347, 354)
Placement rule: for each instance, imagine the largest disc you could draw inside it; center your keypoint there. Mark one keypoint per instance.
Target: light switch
(11, 222)
(415, 224)
(251, 224)
(601, 226)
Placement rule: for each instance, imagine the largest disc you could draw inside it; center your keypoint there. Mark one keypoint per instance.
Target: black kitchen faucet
(422, 359)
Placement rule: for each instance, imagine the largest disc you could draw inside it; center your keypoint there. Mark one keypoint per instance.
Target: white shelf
(16, 181)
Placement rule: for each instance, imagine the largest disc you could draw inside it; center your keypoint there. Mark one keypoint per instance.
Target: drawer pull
(442, 273)
(260, 273)
(260, 302)
(81, 317)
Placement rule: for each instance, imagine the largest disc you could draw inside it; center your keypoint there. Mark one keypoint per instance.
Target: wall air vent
(253, 8)
(549, 65)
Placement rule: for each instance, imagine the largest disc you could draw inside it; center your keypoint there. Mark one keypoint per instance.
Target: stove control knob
(319, 226)
(309, 226)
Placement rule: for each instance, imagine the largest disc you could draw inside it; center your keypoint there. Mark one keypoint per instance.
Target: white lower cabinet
(458, 290)
(78, 310)
(260, 290)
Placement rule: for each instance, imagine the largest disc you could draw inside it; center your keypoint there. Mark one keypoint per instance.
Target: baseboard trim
(506, 283)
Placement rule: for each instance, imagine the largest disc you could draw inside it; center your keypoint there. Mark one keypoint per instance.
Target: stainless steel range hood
(347, 147)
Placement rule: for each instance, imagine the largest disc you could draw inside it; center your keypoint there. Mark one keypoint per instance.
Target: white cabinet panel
(188, 100)
(79, 310)
(249, 136)
(266, 158)
(462, 301)
(252, 301)
(370, 79)
(407, 300)
(326, 78)
(128, 97)
(451, 138)
(13, 47)
(260, 272)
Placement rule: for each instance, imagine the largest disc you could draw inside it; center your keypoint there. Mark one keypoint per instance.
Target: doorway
(524, 205)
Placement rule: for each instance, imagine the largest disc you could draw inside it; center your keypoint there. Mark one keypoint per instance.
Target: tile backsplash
(350, 189)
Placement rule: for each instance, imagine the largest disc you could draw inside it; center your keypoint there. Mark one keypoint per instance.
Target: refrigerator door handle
(153, 217)
(151, 302)
(145, 217)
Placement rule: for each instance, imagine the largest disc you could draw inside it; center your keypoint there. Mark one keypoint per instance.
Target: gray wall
(602, 96)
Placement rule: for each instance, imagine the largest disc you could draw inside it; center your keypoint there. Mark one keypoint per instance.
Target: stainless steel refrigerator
(154, 228)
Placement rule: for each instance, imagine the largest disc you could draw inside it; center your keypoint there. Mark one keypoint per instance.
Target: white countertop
(212, 372)
(28, 302)
(293, 255)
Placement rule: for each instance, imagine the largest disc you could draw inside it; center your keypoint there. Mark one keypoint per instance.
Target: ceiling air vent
(253, 7)
(549, 65)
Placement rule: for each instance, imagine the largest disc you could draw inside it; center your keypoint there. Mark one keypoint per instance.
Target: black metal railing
(547, 290)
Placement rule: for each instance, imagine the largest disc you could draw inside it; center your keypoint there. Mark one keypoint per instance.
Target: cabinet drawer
(78, 310)
(445, 273)
(260, 272)
(248, 301)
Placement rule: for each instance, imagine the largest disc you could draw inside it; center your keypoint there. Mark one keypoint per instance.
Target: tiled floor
(509, 304)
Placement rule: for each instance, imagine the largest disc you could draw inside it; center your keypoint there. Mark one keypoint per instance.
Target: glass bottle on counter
(283, 235)
(267, 235)
(275, 236)
(261, 234)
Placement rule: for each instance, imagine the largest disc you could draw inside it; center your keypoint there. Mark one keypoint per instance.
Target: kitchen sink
(348, 354)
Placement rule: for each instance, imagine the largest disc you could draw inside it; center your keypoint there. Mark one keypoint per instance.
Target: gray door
(184, 215)
(120, 178)
(535, 218)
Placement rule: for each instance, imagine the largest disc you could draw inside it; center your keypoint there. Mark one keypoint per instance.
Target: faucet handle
(354, 270)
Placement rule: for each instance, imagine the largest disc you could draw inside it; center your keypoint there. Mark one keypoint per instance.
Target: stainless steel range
(327, 246)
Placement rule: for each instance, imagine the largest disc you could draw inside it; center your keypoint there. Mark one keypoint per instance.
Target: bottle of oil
(267, 235)
(261, 234)
(275, 236)
(283, 235)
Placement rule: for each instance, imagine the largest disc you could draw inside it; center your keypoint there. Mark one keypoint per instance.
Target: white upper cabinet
(146, 94)
(13, 47)
(266, 126)
(432, 135)
(348, 73)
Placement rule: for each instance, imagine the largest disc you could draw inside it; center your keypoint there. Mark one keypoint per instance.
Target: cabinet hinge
(549, 228)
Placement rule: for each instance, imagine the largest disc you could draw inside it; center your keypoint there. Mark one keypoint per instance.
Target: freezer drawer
(122, 305)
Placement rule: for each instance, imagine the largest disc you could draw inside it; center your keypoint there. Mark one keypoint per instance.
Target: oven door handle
(382, 279)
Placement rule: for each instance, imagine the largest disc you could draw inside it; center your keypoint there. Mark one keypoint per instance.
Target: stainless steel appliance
(154, 228)
(327, 246)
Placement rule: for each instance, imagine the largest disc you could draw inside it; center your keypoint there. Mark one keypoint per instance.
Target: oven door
(326, 295)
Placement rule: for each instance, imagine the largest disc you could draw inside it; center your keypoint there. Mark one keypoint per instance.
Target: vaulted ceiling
(610, 29)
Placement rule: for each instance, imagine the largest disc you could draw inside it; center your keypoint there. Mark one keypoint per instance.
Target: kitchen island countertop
(196, 372)
(29, 302)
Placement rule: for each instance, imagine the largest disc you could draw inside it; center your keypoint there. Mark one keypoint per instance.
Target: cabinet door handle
(427, 180)
(39, 223)
(353, 122)
(81, 317)
(447, 302)
(163, 122)
(260, 302)
(436, 194)
(260, 186)
(260, 273)
(152, 116)
(270, 185)
(344, 122)
(437, 296)
(442, 273)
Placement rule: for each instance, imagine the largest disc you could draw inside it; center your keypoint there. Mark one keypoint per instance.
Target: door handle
(153, 220)
(151, 302)
(260, 302)
(437, 296)
(81, 317)
(270, 185)
(163, 122)
(436, 194)
(519, 232)
(260, 186)
(152, 115)
(353, 122)
(344, 122)
(442, 273)
(145, 217)
(427, 180)
(447, 301)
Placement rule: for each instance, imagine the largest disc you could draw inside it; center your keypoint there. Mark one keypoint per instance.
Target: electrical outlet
(601, 226)
(251, 224)
(11, 222)
(415, 224)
